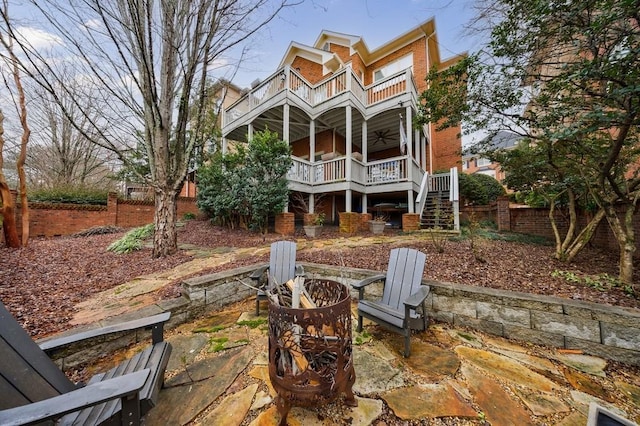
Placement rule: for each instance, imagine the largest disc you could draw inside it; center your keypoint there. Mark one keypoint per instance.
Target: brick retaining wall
(49, 220)
(535, 221)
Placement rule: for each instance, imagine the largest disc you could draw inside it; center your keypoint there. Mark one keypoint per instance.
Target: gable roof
(357, 45)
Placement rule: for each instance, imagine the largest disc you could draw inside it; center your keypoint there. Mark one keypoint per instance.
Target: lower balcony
(349, 173)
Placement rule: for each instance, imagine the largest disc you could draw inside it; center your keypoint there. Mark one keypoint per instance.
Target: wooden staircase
(438, 212)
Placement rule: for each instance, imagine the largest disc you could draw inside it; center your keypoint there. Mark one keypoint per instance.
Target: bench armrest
(155, 322)
(418, 297)
(88, 396)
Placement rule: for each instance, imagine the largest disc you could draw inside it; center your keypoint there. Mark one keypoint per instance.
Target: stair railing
(422, 194)
(454, 197)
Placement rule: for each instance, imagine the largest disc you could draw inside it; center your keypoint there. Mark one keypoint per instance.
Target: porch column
(312, 204)
(224, 145)
(249, 132)
(364, 142)
(312, 141)
(409, 135)
(347, 201)
(364, 203)
(425, 145)
(285, 123)
(349, 144)
(410, 200)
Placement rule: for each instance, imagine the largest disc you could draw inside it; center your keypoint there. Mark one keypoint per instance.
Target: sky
(376, 21)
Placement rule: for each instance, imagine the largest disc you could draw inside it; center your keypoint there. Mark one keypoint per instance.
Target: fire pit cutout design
(310, 352)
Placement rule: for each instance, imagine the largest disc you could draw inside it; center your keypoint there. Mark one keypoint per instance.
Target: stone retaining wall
(602, 330)
(606, 331)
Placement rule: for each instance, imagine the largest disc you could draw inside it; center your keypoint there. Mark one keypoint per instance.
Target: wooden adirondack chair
(34, 390)
(403, 293)
(281, 268)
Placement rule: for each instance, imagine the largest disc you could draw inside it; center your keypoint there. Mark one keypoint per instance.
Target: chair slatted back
(27, 374)
(404, 276)
(282, 264)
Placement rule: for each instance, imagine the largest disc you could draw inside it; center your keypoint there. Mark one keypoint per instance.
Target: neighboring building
(348, 114)
(475, 163)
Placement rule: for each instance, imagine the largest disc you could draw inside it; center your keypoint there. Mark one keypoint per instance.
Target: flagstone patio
(218, 375)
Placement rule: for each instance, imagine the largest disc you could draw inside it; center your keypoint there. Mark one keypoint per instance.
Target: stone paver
(496, 404)
(427, 401)
(232, 410)
(503, 367)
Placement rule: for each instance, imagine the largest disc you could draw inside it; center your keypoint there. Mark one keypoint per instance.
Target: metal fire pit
(310, 354)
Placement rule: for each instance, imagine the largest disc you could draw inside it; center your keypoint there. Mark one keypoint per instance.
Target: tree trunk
(8, 210)
(165, 237)
(625, 235)
(9, 228)
(583, 237)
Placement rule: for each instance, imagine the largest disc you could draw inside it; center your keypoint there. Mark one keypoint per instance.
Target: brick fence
(535, 221)
(49, 219)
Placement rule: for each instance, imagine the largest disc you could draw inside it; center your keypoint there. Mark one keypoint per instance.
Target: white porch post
(312, 204)
(224, 145)
(285, 123)
(312, 141)
(410, 135)
(364, 142)
(364, 160)
(349, 143)
(285, 134)
(249, 132)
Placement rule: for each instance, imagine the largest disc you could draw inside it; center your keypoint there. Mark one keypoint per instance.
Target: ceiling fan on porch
(381, 136)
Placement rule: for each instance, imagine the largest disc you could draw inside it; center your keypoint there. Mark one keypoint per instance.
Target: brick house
(348, 113)
(476, 163)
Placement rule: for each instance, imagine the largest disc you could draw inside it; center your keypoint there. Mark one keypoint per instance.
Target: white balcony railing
(335, 85)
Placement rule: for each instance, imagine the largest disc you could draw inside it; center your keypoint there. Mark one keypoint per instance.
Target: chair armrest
(368, 281)
(88, 396)
(156, 322)
(362, 284)
(255, 275)
(418, 297)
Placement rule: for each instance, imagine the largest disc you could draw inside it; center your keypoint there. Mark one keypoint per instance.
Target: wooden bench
(34, 389)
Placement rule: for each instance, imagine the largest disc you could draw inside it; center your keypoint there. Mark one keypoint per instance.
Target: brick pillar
(410, 222)
(285, 223)
(112, 208)
(364, 221)
(349, 222)
(503, 214)
(309, 219)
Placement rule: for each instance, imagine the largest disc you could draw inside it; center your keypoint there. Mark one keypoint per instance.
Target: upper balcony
(286, 83)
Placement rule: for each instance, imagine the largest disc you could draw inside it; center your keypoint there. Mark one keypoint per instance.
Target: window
(465, 164)
(393, 67)
(482, 162)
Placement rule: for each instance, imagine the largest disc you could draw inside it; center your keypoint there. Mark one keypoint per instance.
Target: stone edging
(607, 331)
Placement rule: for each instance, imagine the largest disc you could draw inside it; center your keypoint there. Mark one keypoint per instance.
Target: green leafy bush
(479, 189)
(132, 240)
(70, 195)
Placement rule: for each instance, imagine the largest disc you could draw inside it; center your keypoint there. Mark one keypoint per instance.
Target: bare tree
(145, 64)
(21, 106)
(60, 155)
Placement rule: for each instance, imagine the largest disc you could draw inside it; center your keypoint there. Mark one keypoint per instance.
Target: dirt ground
(42, 283)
